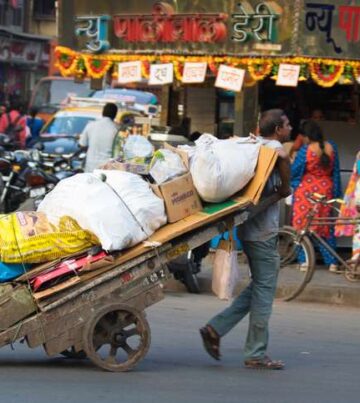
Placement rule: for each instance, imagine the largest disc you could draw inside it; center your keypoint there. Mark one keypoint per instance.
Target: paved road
(320, 345)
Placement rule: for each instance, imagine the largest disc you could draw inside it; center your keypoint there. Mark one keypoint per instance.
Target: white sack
(220, 168)
(226, 271)
(168, 166)
(137, 146)
(97, 207)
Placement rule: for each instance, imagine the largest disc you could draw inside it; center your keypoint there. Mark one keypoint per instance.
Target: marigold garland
(66, 61)
(178, 70)
(145, 69)
(325, 72)
(259, 70)
(95, 67)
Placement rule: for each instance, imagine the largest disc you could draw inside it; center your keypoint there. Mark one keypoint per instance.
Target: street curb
(332, 295)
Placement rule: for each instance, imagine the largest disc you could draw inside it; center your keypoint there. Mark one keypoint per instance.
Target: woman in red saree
(316, 170)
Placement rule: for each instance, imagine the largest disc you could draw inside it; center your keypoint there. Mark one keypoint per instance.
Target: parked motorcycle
(12, 180)
(186, 267)
(45, 171)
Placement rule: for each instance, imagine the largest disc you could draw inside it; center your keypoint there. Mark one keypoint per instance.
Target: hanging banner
(288, 75)
(129, 72)
(230, 78)
(161, 74)
(194, 72)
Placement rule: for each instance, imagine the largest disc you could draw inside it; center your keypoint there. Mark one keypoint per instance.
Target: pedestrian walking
(259, 237)
(98, 138)
(315, 170)
(351, 209)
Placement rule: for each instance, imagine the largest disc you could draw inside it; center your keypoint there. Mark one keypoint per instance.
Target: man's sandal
(264, 363)
(211, 341)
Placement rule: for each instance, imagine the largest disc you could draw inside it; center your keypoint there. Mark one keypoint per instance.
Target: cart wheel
(352, 275)
(71, 353)
(117, 338)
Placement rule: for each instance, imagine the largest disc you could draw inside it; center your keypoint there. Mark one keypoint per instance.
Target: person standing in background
(13, 123)
(316, 169)
(35, 125)
(351, 209)
(98, 138)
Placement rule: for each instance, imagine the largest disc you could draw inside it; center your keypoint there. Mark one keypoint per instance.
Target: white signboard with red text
(161, 74)
(129, 72)
(230, 78)
(288, 75)
(194, 72)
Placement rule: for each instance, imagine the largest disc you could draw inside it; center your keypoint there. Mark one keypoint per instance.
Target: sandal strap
(264, 363)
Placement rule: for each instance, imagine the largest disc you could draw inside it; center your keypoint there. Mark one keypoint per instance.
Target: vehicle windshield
(56, 91)
(125, 95)
(67, 125)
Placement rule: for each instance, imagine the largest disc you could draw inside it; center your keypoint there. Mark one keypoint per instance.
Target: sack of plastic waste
(221, 168)
(29, 237)
(118, 207)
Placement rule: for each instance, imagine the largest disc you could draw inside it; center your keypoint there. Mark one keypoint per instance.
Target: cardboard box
(180, 197)
(139, 169)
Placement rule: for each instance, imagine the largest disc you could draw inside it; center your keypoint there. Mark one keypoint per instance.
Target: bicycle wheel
(297, 263)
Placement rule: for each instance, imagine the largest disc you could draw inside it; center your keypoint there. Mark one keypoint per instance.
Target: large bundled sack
(118, 207)
(29, 237)
(220, 168)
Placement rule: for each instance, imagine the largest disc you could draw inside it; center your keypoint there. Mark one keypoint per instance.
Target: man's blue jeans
(256, 299)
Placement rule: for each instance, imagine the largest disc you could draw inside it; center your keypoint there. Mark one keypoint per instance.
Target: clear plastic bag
(166, 165)
(137, 146)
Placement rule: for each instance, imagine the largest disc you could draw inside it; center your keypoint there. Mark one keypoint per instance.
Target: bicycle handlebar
(319, 198)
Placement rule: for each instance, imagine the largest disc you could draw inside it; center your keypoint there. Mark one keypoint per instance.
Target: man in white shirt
(98, 138)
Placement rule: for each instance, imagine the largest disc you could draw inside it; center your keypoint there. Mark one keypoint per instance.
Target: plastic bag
(166, 165)
(10, 271)
(121, 212)
(221, 168)
(137, 146)
(226, 271)
(29, 237)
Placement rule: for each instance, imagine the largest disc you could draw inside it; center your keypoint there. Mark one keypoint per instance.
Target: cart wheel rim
(117, 338)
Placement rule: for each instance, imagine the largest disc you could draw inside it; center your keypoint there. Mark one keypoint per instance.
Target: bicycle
(297, 253)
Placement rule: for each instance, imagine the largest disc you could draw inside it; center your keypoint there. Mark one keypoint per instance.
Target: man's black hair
(110, 110)
(270, 120)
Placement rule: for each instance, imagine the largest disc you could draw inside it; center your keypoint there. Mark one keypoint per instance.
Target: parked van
(51, 92)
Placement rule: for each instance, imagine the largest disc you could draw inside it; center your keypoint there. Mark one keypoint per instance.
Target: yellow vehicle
(61, 133)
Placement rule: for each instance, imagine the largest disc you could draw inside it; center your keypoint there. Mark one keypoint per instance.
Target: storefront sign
(201, 27)
(331, 28)
(18, 51)
(164, 25)
(161, 74)
(230, 78)
(129, 72)
(349, 22)
(258, 23)
(194, 73)
(96, 29)
(288, 75)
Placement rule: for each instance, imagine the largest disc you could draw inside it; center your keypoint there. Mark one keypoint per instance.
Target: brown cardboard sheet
(250, 195)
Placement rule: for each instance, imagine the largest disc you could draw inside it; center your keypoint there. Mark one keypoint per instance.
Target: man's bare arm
(283, 166)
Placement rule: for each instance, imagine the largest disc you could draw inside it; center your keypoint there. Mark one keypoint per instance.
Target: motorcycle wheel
(190, 280)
